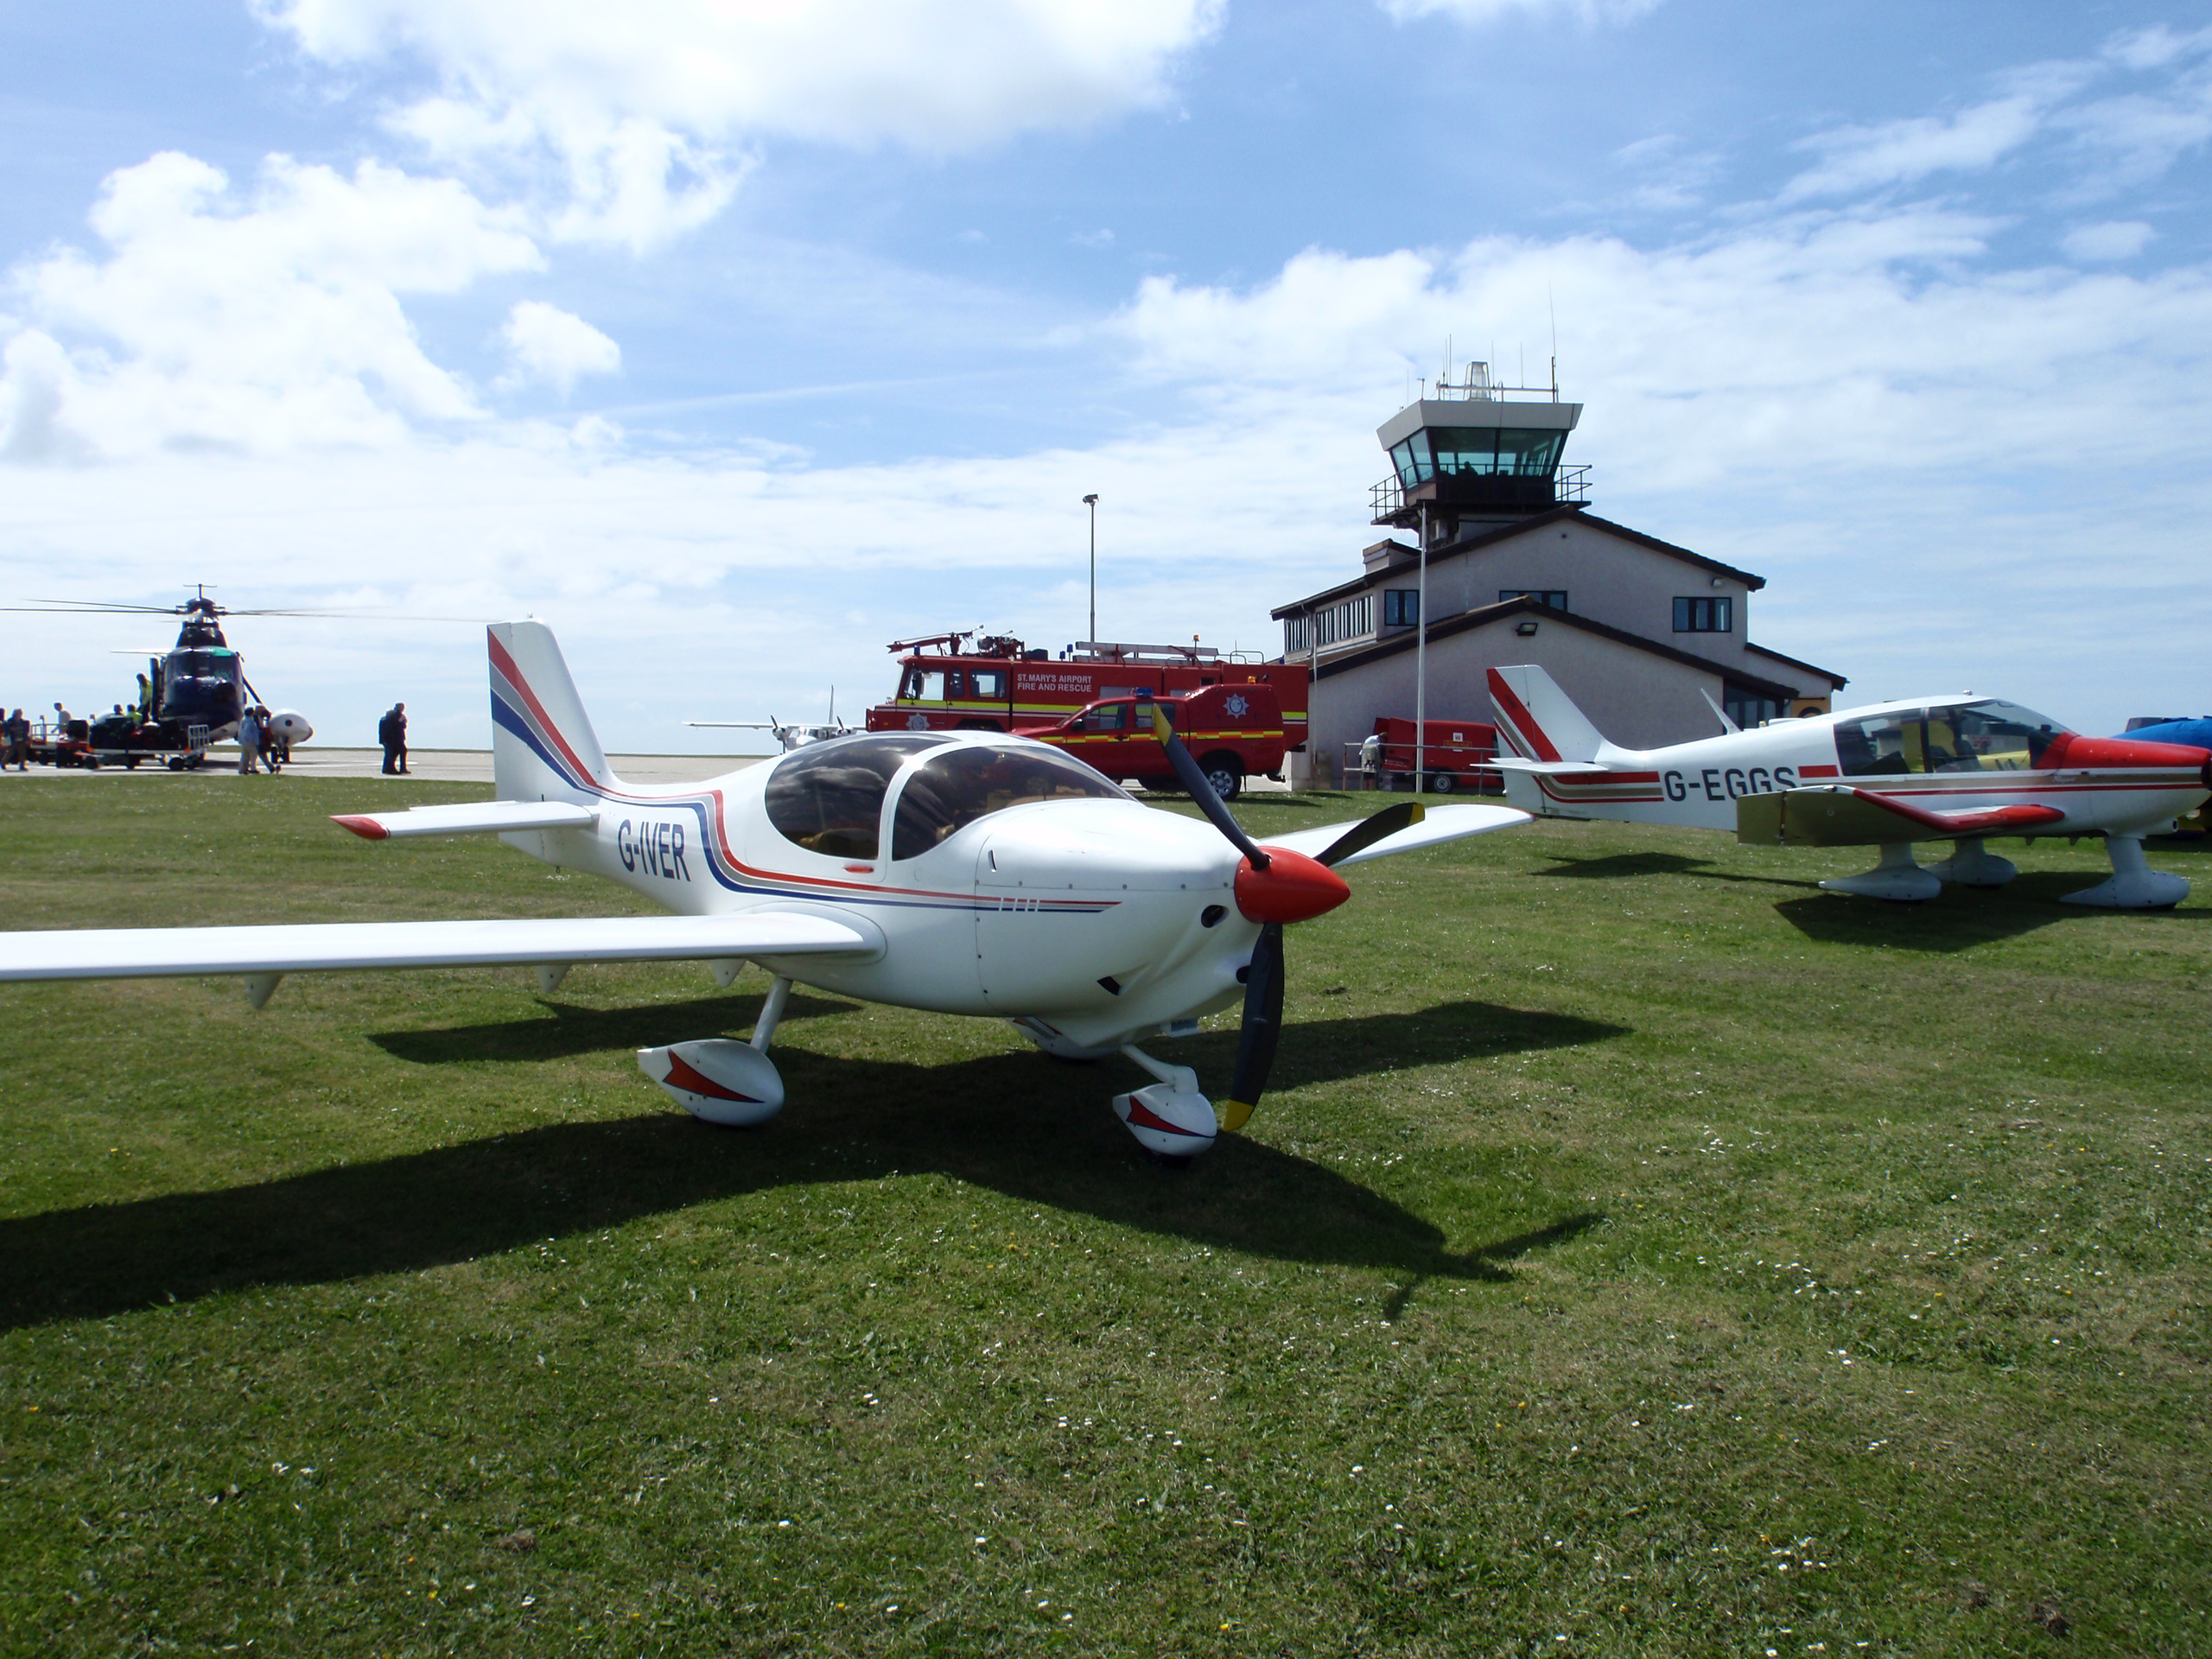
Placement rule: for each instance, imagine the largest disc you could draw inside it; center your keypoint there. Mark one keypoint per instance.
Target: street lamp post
(1091, 501)
(1420, 657)
(1093, 505)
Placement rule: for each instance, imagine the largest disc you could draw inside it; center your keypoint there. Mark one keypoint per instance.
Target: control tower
(1475, 457)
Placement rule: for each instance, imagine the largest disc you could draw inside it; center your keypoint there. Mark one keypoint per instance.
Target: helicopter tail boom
(543, 746)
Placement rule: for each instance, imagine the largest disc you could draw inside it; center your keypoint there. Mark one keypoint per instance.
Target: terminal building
(1518, 570)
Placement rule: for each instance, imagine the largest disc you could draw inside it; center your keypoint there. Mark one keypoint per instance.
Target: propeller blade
(1194, 782)
(1255, 1043)
(1362, 835)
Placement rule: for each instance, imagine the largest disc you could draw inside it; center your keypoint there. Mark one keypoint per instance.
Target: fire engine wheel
(131, 763)
(1441, 783)
(1226, 773)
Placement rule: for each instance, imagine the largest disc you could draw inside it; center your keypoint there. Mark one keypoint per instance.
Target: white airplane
(964, 873)
(1957, 768)
(787, 737)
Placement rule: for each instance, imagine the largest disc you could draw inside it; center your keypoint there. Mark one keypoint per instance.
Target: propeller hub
(1292, 888)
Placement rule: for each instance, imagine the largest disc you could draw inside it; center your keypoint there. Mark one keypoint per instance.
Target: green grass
(1638, 1247)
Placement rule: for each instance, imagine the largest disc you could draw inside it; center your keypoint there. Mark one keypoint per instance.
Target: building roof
(1483, 615)
(1492, 537)
(1810, 668)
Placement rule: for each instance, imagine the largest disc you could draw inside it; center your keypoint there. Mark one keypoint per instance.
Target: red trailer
(1454, 755)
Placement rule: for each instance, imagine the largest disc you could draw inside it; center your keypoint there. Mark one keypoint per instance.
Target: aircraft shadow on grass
(1618, 867)
(1019, 1123)
(1960, 917)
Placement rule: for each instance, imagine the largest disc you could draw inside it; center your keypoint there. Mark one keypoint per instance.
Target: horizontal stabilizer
(1549, 768)
(467, 818)
(1442, 823)
(158, 952)
(1839, 814)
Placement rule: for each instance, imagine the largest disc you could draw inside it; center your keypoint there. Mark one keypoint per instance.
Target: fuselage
(1098, 915)
(1940, 754)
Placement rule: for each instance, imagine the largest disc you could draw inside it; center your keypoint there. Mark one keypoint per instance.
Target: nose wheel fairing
(2134, 884)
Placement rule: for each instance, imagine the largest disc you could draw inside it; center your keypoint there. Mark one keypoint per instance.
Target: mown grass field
(1641, 1254)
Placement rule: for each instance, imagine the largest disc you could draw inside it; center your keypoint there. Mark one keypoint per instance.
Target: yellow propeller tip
(1420, 812)
(1233, 1115)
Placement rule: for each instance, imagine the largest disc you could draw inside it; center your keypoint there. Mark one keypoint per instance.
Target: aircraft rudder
(541, 740)
(1539, 720)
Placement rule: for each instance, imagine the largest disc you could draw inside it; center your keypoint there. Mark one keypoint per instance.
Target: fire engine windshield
(1988, 736)
(827, 797)
(951, 791)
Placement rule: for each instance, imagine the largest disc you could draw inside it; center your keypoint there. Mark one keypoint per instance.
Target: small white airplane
(972, 872)
(1957, 768)
(787, 737)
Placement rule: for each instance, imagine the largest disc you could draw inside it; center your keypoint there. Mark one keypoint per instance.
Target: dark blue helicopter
(192, 694)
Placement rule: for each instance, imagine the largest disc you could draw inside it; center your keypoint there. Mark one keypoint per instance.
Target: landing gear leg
(2134, 884)
(772, 1013)
(1970, 866)
(1171, 1120)
(1897, 878)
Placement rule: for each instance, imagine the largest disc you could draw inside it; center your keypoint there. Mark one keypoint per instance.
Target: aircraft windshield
(828, 797)
(951, 791)
(204, 664)
(1972, 737)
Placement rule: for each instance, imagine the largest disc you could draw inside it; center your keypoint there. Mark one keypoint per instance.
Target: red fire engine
(997, 684)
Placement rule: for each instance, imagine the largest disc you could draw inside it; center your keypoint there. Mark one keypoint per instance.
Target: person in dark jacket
(391, 732)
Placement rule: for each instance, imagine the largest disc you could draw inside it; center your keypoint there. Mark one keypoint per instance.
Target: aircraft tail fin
(543, 746)
(1538, 720)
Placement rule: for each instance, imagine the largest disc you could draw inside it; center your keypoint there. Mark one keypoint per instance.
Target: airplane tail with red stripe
(543, 746)
(1537, 719)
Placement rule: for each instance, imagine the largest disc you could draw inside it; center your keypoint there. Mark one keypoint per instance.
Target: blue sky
(735, 340)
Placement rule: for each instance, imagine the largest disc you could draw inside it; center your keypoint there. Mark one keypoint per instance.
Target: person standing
(248, 743)
(267, 739)
(16, 751)
(391, 732)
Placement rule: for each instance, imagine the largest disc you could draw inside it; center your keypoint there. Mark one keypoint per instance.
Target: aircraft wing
(1839, 814)
(1442, 823)
(159, 952)
(467, 818)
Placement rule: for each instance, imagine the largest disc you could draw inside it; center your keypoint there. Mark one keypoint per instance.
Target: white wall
(1634, 698)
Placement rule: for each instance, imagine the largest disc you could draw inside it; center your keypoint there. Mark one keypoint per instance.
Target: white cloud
(1588, 13)
(261, 324)
(644, 109)
(2113, 239)
(1857, 159)
(1914, 444)
(552, 347)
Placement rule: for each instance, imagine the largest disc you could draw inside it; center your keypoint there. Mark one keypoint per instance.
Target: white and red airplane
(1956, 768)
(963, 872)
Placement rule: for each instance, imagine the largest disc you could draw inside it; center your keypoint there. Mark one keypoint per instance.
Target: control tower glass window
(828, 797)
(951, 791)
(1510, 452)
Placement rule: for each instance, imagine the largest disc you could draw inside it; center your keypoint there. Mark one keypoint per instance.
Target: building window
(1401, 607)
(1555, 597)
(1350, 619)
(1705, 616)
(1749, 709)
